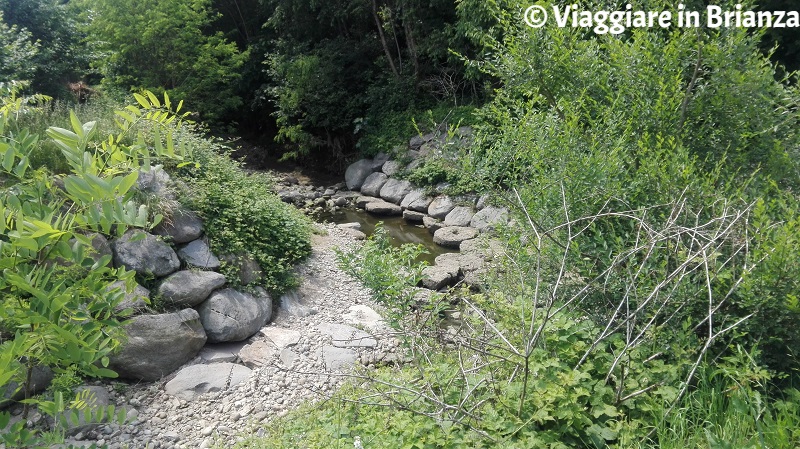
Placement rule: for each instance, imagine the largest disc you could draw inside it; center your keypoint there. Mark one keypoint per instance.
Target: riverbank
(303, 354)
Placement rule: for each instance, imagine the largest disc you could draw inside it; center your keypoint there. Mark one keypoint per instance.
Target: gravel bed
(163, 421)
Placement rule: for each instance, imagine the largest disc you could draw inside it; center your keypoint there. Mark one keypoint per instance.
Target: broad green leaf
(141, 100)
(153, 99)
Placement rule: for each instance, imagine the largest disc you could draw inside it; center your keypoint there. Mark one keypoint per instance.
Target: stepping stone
(195, 380)
(361, 315)
(258, 353)
(380, 207)
(338, 359)
(344, 336)
(221, 352)
(281, 338)
(452, 236)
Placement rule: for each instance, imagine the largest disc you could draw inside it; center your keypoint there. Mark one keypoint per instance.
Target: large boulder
(362, 201)
(441, 206)
(459, 216)
(198, 254)
(230, 315)
(391, 167)
(381, 207)
(41, 377)
(137, 300)
(438, 276)
(183, 227)
(372, 185)
(414, 217)
(249, 270)
(145, 254)
(432, 224)
(155, 181)
(452, 236)
(395, 190)
(158, 345)
(195, 380)
(357, 173)
(417, 201)
(489, 217)
(189, 288)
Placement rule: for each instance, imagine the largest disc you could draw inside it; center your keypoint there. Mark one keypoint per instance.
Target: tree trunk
(383, 38)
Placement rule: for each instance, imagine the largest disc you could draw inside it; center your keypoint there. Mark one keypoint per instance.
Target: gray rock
(249, 270)
(288, 357)
(417, 201)
(363, 316)
(280, 337)
(190, 288)
(362, 201)
(258, 353)
(414, 217)
(441, 206)
(464, 263)
(230, 315)
(390, 168)
(354, 225)
(158, 344)
(432, 224)
(136, 300)
(221, 352)
(489, 217)
(372, 185)
(155, 181)
(486, 249)
(198, 254)
(356, 235)
(436, 277)
(381, 207)
(88, 418)
(379, 160)
(482, 201)
(357, 172)
(459, 216)
(292, 304)
(291, 196)
(184, 226)
(145, 254)
(337, 359)
(344, 336)
(41, 377)
(395, 190)
(451, 237)
(417, 141)
(195, 380)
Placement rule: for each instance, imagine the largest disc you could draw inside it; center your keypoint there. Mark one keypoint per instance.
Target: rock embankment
(317, 334)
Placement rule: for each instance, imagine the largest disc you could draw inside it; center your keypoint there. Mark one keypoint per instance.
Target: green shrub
(57, 309)
(242, 215)
(390, 272)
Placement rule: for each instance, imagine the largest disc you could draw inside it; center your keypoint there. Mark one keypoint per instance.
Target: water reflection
(398, 229)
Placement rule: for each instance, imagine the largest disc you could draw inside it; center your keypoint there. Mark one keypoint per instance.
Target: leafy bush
(390, 272)
(164, 46)
(57, 309)
(243, 216)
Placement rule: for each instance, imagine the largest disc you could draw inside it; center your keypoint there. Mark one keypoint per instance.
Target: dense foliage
(58, 309)
(162, 45)
(243, 217)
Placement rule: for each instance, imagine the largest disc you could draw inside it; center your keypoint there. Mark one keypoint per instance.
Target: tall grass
(721, 414)
(38, 119)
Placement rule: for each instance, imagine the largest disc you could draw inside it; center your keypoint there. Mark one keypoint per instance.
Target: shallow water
(399, 230)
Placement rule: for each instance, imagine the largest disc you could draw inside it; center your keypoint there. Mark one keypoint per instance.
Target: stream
(398, 229)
